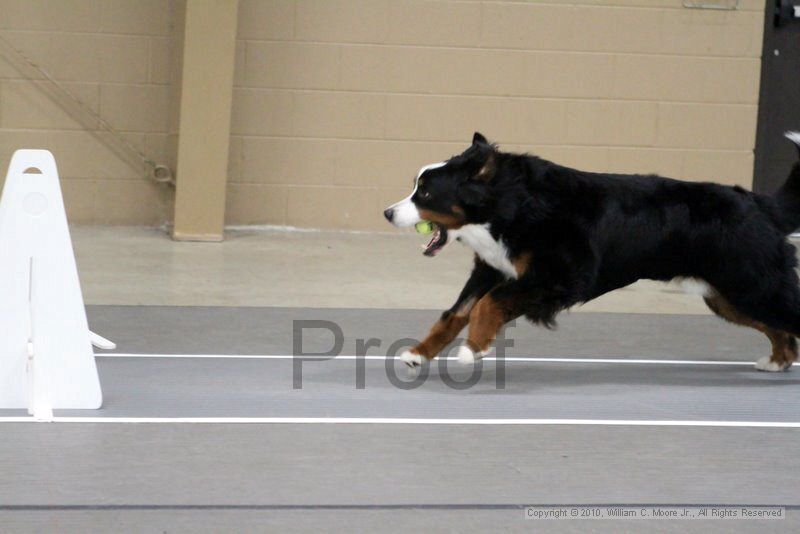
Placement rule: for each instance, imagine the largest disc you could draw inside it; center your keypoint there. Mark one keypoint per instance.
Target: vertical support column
(205, 115)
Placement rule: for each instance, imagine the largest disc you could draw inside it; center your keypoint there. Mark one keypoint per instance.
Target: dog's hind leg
(784, 344)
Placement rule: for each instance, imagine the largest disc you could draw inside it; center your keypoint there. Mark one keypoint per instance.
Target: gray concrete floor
(304, 269)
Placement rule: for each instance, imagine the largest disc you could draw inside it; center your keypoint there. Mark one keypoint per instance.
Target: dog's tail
(788, 196)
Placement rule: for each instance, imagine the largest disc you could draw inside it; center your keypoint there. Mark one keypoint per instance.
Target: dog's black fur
(585, 233)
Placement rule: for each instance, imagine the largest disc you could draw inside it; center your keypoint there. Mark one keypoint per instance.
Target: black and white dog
(547, 237)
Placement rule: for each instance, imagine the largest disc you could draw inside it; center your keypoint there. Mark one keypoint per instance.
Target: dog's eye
(424, 195)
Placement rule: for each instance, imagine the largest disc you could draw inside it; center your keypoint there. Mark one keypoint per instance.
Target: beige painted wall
(116, 55)
(338, 102)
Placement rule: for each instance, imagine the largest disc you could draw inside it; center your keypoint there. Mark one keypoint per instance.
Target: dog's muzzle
(403, 214)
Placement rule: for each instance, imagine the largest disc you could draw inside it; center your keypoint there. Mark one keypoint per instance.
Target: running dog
(548, 237)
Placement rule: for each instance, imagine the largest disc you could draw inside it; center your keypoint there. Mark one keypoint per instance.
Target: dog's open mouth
(437, 242)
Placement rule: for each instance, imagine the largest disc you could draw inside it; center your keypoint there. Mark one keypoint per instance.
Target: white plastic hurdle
(46, 356)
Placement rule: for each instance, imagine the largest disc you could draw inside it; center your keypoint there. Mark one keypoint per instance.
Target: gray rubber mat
(201, 477)
(156, 477)
(375, 388)
(217, 330)
(234, 387)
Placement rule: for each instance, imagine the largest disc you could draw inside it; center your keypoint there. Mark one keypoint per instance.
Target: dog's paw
(467, 356)
(411, 359)
(766, 364)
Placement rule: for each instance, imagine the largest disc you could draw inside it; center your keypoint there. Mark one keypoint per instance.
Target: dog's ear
(488, 167)
(479, 139)
(484, 158)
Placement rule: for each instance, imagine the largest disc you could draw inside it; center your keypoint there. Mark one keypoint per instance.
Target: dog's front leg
(441, 334)
(506, 302)
(488, 316)
(452, 321)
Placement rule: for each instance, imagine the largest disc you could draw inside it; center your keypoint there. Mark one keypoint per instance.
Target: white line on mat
(381, 358)
(409, 421)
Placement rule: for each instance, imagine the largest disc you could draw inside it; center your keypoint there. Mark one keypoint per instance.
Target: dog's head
(449, 194)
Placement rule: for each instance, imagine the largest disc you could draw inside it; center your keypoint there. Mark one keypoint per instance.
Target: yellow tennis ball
(424, 227)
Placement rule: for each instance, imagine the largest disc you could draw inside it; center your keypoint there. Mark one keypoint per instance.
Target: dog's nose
(388, 214)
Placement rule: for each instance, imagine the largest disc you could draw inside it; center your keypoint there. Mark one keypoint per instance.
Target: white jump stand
(46, 357)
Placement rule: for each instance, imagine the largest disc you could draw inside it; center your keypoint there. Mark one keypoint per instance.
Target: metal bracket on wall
(156, 171)
(725, 5)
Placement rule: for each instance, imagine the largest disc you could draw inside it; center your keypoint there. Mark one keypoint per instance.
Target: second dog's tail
(788, 196)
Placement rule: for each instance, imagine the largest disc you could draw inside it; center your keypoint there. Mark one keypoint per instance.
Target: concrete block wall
(337, 103)
(116, 56)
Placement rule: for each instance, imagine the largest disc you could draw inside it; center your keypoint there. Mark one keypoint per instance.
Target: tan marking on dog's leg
(784, 345)
(445, 330)
(486, 319)
(784, 351)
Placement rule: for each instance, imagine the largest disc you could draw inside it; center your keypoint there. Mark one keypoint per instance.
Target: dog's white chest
(493, 252)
